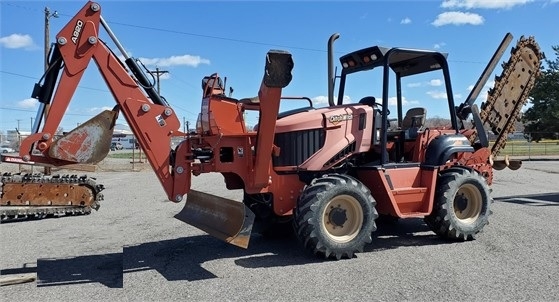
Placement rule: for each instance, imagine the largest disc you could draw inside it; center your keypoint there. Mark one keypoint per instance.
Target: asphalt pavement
(133, 249)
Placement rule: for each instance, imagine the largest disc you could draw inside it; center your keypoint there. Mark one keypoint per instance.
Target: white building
(125, 137)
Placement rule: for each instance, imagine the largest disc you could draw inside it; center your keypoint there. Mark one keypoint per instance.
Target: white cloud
(488, 85)
(323, 100)
(411, 85)
(99, 109)
(437, 94)
(435, 82)
(457, 96)
(393, 101)
(439, 45)
(17, 41)
(406, 20)
(27, 103)
(164, 76)
(488, 4)
(458, 18)
(188, 60)
(318, 100)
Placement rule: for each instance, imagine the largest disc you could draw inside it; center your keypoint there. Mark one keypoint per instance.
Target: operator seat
(413, 122)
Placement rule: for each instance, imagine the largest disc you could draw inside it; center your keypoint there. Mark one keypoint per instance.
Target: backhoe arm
(151, 120)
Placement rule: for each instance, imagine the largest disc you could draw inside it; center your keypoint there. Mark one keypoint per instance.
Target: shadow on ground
(539, 200)
(183, 258)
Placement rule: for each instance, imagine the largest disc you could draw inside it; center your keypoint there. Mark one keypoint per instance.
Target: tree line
(541, 120)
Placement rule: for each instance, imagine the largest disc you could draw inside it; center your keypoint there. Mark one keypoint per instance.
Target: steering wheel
(371, 101)
(380, 107)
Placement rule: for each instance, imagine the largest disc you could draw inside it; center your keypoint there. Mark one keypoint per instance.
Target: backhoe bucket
(225, 219)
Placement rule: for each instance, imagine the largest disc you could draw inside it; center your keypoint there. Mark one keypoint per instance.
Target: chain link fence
(520, 144)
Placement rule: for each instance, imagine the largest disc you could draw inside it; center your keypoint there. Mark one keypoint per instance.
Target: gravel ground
(133, 249)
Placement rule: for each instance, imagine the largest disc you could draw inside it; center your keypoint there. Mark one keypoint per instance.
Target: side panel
(224, 114)
(286, 190)
(348, 131)
(402, 191)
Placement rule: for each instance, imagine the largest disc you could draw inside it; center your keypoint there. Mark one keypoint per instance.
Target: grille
(347, 150)
(296, 147)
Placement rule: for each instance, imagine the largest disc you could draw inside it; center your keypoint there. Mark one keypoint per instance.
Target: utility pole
(157, 73)
(48, 15)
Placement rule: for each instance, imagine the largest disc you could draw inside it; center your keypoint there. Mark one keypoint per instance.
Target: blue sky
(191, 39)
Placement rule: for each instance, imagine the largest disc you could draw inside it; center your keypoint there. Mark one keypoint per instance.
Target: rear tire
(462, 205)
(335, 216)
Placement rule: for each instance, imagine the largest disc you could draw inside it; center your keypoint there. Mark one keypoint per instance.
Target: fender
(442, 147)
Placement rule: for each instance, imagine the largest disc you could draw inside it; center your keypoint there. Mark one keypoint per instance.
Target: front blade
(225, 219)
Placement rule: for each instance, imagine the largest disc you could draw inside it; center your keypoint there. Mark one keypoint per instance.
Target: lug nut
(62, 40)
(26, 158)
(179, 170)
(92, 40)
(46, 136)
(145, 107)
(178, 198)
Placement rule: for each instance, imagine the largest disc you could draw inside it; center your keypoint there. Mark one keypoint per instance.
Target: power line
(34, 78)
(29, 110)
(224, 38)
(216, 37)
(83, 87)
(158, 73)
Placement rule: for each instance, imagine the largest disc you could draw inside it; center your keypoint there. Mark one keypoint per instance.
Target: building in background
(126, 138)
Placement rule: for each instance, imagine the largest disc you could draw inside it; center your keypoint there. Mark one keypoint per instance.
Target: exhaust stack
(331, 74)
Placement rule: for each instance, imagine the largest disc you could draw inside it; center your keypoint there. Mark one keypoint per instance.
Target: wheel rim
(342, 218)
(467, 203)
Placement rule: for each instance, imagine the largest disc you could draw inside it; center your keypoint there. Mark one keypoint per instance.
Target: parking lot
(133, 249)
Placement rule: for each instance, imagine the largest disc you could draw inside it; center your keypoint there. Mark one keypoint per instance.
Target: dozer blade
(225, 219)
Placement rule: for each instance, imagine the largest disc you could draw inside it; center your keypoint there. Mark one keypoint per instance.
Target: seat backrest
(415, 118)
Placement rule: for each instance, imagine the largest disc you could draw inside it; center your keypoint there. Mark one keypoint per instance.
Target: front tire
(462, 205)
(335, 216)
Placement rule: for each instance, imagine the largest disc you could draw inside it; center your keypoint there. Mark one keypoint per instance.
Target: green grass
(125, 155)
(523, 148)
